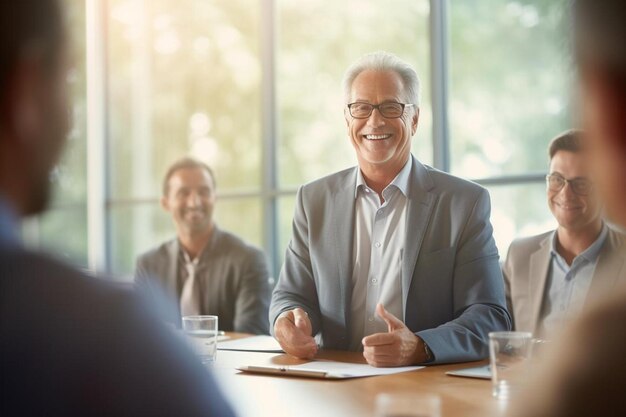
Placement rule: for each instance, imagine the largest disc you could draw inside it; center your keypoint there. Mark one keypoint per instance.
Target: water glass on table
(201, 333)
(509, 354)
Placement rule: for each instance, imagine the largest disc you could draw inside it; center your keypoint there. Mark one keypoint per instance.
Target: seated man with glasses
(552, 276)
(392, 257)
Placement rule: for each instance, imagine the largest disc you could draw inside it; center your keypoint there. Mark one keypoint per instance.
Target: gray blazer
(526, 272)
(452, 287)
(235, 283)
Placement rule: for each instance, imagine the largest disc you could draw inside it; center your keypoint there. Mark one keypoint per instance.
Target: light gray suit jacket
(235, 284)
(452, 287)
(526, 272)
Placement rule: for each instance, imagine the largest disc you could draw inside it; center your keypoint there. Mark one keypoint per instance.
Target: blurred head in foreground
(587, 371)
(34, 111)
(600, 48)
(71, 345)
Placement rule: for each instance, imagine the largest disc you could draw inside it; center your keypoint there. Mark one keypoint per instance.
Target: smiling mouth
(194, 213)
(377, 137)
(568, 206)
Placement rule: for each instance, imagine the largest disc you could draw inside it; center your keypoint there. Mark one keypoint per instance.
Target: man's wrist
(428, 353)
(423, 354)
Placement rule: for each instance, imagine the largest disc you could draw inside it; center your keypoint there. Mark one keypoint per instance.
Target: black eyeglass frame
(575, 184)
(377, 107)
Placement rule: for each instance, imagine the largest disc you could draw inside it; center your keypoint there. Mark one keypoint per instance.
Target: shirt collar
(8, 224)
(401, 181)
(592, 252)
(203, 254)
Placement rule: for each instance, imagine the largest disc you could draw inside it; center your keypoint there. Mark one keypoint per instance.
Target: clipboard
(325, 369)
(288, 371)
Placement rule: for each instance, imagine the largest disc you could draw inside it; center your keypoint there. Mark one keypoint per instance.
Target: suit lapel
(171, 273)
(419, 210)
(538, 275)
(609, 269)
(343, 205)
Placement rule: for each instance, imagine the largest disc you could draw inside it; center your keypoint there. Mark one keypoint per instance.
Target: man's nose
(194, 200)
(376, 119)
(567, 190)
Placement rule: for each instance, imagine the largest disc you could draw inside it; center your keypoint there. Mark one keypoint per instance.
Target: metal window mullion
(439, 65)
(96, 134)
(520, 179)
(269, 134)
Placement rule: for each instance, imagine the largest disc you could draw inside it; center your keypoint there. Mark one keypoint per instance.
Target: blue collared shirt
(568, 285)
(9, 236)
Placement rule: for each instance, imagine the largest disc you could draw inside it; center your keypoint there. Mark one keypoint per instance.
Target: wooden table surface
(277, 396)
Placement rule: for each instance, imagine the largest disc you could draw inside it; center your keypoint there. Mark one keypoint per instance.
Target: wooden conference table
(277, 396)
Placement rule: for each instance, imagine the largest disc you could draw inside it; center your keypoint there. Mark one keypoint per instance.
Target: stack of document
(327, 370)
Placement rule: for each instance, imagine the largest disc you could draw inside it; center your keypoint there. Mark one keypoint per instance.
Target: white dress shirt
(378, 245)
(568, 285)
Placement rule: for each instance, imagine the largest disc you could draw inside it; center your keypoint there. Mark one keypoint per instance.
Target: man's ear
(22, 111)
(165, 203)
(414, 121)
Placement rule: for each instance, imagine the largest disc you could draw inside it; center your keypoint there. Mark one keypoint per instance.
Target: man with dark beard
(70, 345)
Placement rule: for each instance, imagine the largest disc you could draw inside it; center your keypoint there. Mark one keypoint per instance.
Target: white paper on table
(328, 370)
(352, 370)
(252, 344)
(480, 372)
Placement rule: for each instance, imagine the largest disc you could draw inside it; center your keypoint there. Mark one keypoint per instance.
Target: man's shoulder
(46, 281)
(449, 183)
(616, 237)
(230, 243)
(331, 182)
(82, 317)
(156, 254)
(526, 245)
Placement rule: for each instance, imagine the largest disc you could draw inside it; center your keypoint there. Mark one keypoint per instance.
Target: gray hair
(384, 61)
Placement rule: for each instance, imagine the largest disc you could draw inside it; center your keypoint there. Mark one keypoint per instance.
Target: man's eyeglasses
(390, 110)
(580, 186)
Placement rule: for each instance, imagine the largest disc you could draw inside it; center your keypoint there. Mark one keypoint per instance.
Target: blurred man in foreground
(391, 257)
(205, 269)
(587, 375)
(551, 277)
(70, 345)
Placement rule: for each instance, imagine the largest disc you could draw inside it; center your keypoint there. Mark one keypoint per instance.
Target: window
(63, 228)
(184, 79)
(510, 94)
(253, 88)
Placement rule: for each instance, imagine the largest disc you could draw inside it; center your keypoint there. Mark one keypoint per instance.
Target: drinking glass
(201, 333)
(509, 354)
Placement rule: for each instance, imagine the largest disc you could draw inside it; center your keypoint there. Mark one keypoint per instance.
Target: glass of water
(509, 354)
(408, 404)
(201, 333)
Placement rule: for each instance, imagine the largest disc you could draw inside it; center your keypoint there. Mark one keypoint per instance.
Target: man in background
(70, 345)
(206, 270)
(549, 277)
(587, 373)
(391, 257)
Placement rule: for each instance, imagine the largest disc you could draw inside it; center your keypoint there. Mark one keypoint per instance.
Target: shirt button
(370, 319)
(367, 190)
(378, 244)
(374, 280)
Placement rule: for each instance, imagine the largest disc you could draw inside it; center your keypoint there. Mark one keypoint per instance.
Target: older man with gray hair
(391, 257)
